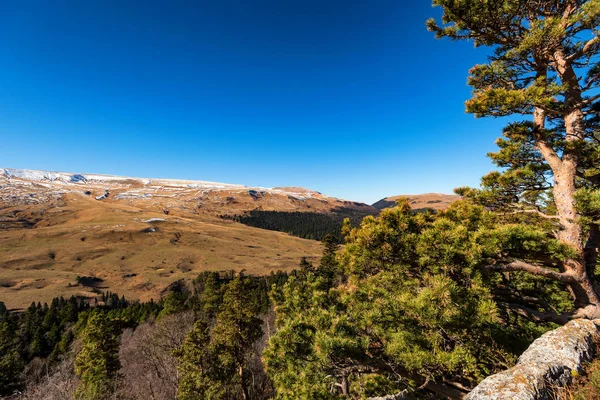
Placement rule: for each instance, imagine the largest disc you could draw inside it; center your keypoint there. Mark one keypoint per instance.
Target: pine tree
(36, 347)
(214, 363)
(11, 363)
(306, 266)
(197, 367)
(235, 333)
(328, 266)
(307, 355)
(97, 364)
(211, 296)
(543, 68)
(173, 303)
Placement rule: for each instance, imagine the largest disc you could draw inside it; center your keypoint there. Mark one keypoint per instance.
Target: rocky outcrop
(550, 361)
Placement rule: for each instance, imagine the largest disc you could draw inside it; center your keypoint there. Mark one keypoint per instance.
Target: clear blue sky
(352, 98)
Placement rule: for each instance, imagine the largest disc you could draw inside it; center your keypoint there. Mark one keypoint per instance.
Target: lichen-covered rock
(549, 361)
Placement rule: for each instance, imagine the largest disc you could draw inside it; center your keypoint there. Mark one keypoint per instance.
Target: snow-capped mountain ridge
(85, 178)
(26, 186)
(69, 177)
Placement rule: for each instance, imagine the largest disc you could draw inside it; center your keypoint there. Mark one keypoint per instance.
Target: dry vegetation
(149, 369)
(585, 386)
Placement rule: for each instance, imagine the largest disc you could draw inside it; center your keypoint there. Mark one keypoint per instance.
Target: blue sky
(352, 98)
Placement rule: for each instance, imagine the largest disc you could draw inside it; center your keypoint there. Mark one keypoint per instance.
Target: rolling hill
(436, 201)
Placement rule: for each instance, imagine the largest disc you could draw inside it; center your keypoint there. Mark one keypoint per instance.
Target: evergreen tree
(97, 364)
(544, 68)
(328, 266)
(173, 303)
(214, 362)
(235, 333)
(197, 366)
(307, 356)
(37, 345)
(211, 296)
(306, 266)
(11, 363)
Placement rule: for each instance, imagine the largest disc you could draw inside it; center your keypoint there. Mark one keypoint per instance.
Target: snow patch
(155, 220)
(137, 188)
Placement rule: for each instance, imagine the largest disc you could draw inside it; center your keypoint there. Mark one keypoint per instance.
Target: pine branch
(517, 297)
(591, 249)
(542, 144)
(585, 49)
(532, 211)
(540, 316)
(590, 100)
(445, 391)
(518, 265)
(595, 179)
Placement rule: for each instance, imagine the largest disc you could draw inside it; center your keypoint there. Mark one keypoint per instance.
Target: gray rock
(549, 362)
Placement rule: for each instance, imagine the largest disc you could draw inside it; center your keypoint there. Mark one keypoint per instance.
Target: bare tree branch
(517, 297)
(586, 47)
(518, 265)
(532, 211)
(445, 390)
(539, 316)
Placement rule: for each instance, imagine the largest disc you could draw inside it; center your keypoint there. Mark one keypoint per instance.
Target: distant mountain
(168, 195)
(436, 201)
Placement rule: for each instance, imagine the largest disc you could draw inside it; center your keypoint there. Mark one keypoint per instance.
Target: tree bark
(564, 177)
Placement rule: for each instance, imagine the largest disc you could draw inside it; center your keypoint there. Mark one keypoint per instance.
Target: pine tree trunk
(244, 386)
(565, 173)
(572, 232)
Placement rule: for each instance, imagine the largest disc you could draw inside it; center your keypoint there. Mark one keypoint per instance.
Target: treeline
(45, 332)
(307, 225)
(99, 348)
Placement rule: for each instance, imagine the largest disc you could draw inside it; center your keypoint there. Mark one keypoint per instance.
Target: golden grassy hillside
(45, 247)
(436, 201)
